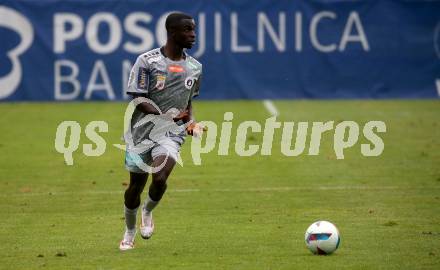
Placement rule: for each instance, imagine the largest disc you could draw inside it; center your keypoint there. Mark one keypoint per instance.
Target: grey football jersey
(169, 84)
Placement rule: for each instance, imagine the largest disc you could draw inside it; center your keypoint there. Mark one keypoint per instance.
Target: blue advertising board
(83, 50)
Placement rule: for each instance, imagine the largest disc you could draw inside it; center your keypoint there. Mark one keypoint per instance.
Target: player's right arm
(138, 85)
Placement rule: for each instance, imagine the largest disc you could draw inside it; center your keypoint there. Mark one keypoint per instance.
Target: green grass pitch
(231, 212)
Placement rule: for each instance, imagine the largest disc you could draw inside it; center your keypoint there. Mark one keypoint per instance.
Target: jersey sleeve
(139, 77)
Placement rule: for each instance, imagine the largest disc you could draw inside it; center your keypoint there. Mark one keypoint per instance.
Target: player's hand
(184, 116)
(195, 129)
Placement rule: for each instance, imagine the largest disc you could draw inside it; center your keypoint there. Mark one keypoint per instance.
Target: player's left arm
(194, 128)
(189, 109)
(187, 115)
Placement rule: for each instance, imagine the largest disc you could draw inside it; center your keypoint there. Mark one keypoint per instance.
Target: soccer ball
(322, 237)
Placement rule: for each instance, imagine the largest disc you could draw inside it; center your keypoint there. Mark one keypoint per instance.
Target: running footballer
(169, 78)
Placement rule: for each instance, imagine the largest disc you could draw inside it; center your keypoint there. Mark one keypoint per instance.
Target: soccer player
(169, 78)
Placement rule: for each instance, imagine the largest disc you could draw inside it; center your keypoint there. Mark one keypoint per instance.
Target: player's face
(185, 35)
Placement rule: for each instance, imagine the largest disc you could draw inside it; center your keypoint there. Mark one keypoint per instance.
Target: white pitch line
(119, 146)
(221, 190)
(270, 107)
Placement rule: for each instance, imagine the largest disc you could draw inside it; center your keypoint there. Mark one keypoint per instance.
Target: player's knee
(133, 194)
(131, 200)
(160, 179)
(159, 188)
(160, 183)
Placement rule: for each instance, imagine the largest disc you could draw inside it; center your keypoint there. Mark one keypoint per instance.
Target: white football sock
(130, 218)
(149, 204)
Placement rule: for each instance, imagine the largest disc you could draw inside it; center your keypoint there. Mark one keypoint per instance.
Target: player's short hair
(174, 19)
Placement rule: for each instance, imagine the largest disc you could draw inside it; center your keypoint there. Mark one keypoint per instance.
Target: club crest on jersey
(160, 81)
(189, 82)
(175, 68)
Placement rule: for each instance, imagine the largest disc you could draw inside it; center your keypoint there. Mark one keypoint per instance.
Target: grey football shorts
(136, 162)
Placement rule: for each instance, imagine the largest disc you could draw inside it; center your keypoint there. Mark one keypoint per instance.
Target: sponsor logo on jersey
(175, 68)
(152, 54)
(192, 65)
(142, 78)
(154, 59)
